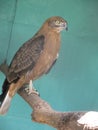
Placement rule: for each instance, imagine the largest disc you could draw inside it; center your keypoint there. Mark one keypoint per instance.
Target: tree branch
(43, 113)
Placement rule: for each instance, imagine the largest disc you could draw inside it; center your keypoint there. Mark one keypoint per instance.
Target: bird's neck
(45, 29)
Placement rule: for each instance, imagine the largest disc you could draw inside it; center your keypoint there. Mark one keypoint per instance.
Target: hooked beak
(66, 28)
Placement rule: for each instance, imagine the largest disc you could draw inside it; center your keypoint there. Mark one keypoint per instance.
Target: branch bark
(43, 113)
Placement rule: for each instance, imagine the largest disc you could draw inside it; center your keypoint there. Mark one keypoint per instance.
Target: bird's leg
(30, 89)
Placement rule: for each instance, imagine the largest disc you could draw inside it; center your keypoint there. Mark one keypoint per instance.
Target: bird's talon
(33, 91)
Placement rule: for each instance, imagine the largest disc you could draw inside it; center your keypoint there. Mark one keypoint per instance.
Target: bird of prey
(33, 59)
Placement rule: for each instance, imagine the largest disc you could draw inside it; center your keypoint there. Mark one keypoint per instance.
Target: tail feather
(5, 104)
(5, 88)
(5, 99)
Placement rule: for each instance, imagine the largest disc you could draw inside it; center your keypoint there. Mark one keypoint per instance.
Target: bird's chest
(52, 45)
(51, 50)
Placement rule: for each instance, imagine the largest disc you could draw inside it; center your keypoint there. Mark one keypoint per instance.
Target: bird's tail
(5, 99)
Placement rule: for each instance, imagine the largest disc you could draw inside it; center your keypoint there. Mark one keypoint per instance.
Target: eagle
(33, 59)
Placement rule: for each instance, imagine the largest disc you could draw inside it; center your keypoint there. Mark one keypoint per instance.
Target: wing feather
(26, 57)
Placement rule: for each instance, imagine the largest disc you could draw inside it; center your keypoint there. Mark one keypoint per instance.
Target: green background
(72, 84)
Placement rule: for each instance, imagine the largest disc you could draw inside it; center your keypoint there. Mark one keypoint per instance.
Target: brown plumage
(33, 59)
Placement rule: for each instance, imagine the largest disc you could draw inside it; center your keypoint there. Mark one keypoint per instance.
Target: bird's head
(57, 23)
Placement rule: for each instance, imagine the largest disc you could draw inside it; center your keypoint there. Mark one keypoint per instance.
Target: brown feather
(26, 58)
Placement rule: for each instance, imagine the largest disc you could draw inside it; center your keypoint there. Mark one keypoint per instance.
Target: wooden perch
(43, 113)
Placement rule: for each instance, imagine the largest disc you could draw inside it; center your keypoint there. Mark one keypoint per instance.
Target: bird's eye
(57, 22)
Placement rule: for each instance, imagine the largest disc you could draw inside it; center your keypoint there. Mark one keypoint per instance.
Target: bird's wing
(26, 57)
